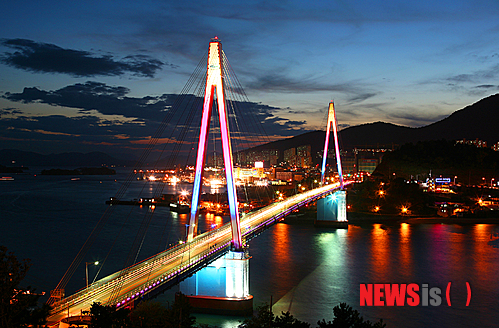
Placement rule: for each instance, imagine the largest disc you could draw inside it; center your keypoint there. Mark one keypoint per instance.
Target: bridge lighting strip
(108, 282)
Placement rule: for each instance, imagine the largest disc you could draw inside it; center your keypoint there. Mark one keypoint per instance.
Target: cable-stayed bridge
(167, 268)
(143, 280)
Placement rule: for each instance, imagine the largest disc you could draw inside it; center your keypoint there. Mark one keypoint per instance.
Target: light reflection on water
(433, 254)
(306, 270)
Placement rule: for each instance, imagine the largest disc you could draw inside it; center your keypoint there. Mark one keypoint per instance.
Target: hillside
(478, 120)
(475, 121)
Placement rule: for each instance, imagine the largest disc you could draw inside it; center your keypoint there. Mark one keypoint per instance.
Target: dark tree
(107, 316)
(149, 314)
(264, 318)
(179, 314)
(346, 317)
(18, 306)
(286, 320)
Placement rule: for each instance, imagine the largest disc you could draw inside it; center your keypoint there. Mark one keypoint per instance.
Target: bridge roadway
(167, 268)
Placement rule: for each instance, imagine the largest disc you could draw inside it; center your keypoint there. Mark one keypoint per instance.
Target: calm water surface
(305, 270)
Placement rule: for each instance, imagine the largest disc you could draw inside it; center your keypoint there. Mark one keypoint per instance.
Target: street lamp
(491, 181)
(86, 269)
(455, 179)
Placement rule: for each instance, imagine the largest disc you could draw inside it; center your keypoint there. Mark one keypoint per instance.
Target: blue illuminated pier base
(222, 287)
(332, 210)
(233, 296)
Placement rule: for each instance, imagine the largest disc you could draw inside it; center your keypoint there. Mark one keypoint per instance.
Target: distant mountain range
(480, 120)
(24, 158)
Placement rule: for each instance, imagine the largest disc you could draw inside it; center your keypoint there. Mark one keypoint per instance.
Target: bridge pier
(332, 210)
(222, 287)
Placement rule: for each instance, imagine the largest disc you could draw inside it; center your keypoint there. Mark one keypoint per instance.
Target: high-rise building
(290, 156)
(268, 156)
(304, 156)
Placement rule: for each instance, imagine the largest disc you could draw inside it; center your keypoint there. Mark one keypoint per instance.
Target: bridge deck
(169, 267)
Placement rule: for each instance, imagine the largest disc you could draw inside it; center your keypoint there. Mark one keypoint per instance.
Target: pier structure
(236, 261)
(332, 209)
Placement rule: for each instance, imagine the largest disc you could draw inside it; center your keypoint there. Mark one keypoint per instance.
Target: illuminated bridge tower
(235, 292)
(332, 209)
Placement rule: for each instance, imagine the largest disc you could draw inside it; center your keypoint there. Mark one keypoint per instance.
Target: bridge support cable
(254, 128)
(249, 131)
(179, 112)
(182, 127)
(170, 114)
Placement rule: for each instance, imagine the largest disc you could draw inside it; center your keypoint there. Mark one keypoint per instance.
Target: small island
(80, 171)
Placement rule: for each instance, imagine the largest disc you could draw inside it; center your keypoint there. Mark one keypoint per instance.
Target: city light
(216, 182)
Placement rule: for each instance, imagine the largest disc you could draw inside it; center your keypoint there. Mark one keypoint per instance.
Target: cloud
(478, 76)
(57, 133)
(88, 96)
(486, 86)
(49, 58)
(415, 119)
(361, 97)
(278, 82)
(112, 100)
(298, 112)
(9, 111)
(109, 116)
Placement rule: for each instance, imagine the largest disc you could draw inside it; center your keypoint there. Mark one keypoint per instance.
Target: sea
(300, 268)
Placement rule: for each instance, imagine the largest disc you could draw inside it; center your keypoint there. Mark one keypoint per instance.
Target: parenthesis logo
(468, 299)
(447, 294)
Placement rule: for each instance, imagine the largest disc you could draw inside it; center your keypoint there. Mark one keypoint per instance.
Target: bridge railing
(107, 282)
(250, 222)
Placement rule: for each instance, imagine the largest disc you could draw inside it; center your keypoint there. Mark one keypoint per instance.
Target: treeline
(154, 314)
